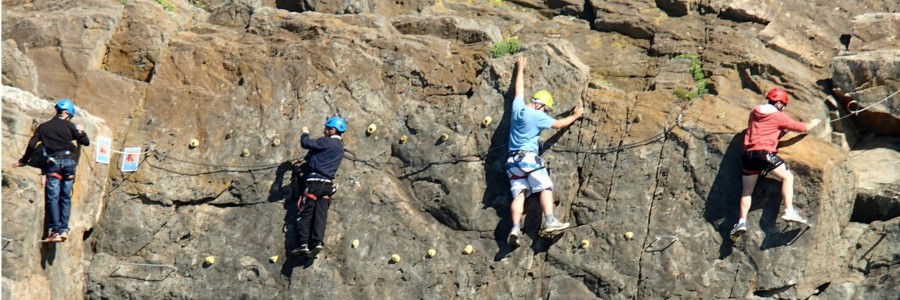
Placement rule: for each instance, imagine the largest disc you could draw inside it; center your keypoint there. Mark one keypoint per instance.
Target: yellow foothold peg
(432, 252)
(354, 244)
(276, 142)
(371, 129)
(395, 258)
(638, 118)
(210, 260)
(486, 122)
(403, 139)
(245, 153)
(444, 137)
(273, 259)
(469, 249)
(629, 235)
(194, 143)
(585, 244)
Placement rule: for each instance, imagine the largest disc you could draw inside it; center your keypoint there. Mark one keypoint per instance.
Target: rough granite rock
(875, 31)
(878, 195)
(239, 75)
(18, 69)
(637, 19)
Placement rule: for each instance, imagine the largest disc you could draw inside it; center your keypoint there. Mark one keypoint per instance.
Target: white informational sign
(104, 144)
(130, 159)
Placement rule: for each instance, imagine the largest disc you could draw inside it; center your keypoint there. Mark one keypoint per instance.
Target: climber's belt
(313, 176)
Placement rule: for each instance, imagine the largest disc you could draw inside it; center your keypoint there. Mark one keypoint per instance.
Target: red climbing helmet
(778, 95)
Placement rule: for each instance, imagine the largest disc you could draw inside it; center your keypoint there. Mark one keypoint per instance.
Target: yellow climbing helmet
(543, 97)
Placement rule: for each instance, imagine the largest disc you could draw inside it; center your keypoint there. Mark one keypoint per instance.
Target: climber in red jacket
(767, 124)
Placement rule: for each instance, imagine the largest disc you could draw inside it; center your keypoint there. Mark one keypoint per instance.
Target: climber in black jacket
(56, 136)
(322, 162)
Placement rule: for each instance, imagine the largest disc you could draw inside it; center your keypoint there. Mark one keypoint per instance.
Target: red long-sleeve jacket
(764, 127)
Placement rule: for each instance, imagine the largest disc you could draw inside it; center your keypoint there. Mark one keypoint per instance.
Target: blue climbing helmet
(65, 105)
(336, 123)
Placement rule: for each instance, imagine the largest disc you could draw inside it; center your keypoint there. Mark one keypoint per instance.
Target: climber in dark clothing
(324, 158)
(56, 136)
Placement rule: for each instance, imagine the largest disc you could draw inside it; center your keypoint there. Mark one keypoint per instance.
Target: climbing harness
(517, 163)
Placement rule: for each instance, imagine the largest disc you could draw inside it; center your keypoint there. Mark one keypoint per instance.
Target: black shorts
(760, 162)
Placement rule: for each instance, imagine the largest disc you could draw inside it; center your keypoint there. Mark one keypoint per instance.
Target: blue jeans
(59, 193)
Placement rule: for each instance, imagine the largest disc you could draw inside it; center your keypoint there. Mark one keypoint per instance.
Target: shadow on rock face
(496, 194)
(723, 201)
(290, 212)
(48, 254)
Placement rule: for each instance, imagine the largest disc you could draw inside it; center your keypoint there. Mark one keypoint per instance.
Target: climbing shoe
(555, 225)
(793, 215)
(739, 229)
(513, 238)
(52, 238)
(64, 236)
(302, 250)
(315, 251)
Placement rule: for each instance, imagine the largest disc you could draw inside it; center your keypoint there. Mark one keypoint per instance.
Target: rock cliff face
(239, 75)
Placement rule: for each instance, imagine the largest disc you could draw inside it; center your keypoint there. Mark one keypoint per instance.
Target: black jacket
(325, 154)
(56, 135)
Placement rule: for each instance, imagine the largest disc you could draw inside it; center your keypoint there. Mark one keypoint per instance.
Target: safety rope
(608, 150)
(157, 154)
(97, 142)
(162, 157)
(856, 112)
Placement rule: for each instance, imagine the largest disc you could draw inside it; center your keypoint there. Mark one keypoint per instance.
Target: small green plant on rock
(699, 79)
(506, 46)
(166, 4)
(197, 4)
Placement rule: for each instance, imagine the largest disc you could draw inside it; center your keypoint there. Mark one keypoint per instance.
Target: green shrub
(166, 4)
(506, 46)
(699, 79)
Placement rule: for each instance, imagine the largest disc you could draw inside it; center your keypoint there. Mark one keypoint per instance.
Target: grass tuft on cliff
(699, 79)
(505, 47)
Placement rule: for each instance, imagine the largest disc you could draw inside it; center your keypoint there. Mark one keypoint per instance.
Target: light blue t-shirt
(526, 125)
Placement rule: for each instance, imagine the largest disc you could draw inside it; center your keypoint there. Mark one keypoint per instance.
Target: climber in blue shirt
(527, 172)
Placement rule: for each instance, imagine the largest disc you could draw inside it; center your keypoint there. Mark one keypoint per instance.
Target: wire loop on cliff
(856, 112)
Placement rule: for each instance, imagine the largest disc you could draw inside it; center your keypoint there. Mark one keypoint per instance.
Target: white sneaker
(513, 238)
(556, 225)
(793, 215)
(739, 229)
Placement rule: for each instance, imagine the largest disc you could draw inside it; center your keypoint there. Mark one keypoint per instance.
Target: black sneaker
(303, 249)
(315, 251)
